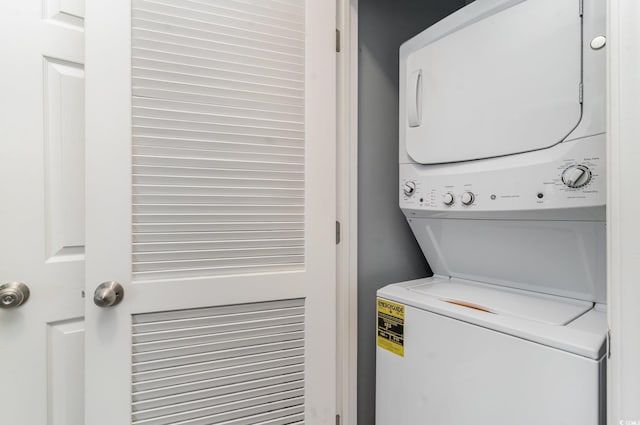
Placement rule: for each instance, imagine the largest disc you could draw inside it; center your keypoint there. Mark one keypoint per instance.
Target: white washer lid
(522, 314)
(541, 308)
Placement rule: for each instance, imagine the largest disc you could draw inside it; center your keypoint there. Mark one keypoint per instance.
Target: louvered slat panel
(182, 228)
(218, 43)
(242, 209)
(267, 15)
(219, 70)
(220, 115)
(196, 96)
(219, 146)
(222, 200)
(213, 356)
(221, 112)
(218, 217)
(176, 152)
(210, 14)
(239, 364)
(178, 59)
(215, 181)
(202, 190)
(167, 240)
(205, 246)
(214, 34)
(161, 335)
(292, 7)
(182, 374)
(218, 137)
(166, 318)
(256, 175)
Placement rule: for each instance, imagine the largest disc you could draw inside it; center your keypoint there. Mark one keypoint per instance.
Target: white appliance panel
(456, 373)
(565, 258)
(502, 84)
(533, 181)
(525, 227)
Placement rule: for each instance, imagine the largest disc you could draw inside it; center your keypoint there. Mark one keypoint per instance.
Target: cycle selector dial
(468, 198)
(449, 198)
(409, 188)
(576, 176)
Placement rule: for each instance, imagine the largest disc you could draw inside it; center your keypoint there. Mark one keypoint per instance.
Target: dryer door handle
(414, 99)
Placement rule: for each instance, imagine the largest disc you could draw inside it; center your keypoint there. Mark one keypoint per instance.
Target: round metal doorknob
(13, 294)
(108, 294)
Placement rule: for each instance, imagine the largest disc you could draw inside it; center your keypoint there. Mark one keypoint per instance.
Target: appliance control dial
(449, 198)
(409, 188)
(576, 176)
(468, 198)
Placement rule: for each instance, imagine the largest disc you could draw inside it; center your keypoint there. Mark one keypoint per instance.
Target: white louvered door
(211, 199)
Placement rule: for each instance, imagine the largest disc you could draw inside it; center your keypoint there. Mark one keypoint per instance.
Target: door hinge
(581, 7)
(337, 40)
(608, 343)
(581, 94)
(337, 419)
(337, 232)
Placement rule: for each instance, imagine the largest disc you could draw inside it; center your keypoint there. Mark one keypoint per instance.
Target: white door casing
(211, 197)
(347, 159)
(42, 210)
(623, 227)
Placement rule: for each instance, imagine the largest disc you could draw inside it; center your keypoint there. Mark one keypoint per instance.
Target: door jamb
(623, 210)
(347, 213)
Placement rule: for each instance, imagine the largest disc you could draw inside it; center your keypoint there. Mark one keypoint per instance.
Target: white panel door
(211, 200)
(42, 210)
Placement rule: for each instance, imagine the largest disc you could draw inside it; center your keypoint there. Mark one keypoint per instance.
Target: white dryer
(502, 180)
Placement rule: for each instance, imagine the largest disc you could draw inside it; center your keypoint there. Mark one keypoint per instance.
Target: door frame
(623, 210)
(623, 105)
(347, 204)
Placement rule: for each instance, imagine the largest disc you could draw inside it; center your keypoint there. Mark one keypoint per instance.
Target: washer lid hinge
(581, 93)
(337, 232)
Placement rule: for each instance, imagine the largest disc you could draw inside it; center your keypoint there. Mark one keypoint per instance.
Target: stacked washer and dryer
(502, 180)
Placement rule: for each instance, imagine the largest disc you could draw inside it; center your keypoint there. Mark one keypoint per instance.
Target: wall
(388, 251)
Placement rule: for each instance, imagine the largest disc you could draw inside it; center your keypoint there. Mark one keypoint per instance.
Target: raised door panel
(69, 12)
(65, 352)
(64, 157)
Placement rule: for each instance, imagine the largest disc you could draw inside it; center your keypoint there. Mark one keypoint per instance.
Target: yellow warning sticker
(391, 326)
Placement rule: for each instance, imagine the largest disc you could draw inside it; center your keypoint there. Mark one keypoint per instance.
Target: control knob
(449, 198)
(409, 188)
(468, 198)
(576, 176)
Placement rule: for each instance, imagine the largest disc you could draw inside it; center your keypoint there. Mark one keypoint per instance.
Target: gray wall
(387, 251)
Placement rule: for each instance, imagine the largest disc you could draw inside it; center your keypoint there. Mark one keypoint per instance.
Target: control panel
(568, 175)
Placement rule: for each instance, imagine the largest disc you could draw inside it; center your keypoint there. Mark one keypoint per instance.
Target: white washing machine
(502, 180)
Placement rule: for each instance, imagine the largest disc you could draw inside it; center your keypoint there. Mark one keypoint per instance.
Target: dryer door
(502, 84)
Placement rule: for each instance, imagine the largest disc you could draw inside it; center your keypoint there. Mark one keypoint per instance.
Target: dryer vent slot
(470, 305)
